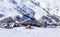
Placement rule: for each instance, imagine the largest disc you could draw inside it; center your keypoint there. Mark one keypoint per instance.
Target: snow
(7, 8)
(36, 32)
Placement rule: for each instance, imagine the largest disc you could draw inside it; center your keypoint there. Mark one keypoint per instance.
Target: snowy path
(37, 32)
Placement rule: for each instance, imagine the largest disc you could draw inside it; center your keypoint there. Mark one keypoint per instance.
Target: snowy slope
(37, 32)
(29, 8)
(40, 7)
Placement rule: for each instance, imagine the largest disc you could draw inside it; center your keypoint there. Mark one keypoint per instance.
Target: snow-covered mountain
(33, 11)
(27, 9)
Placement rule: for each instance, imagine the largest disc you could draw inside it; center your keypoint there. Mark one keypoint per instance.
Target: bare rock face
(17, 22)
(34, 22)
(51, 20)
